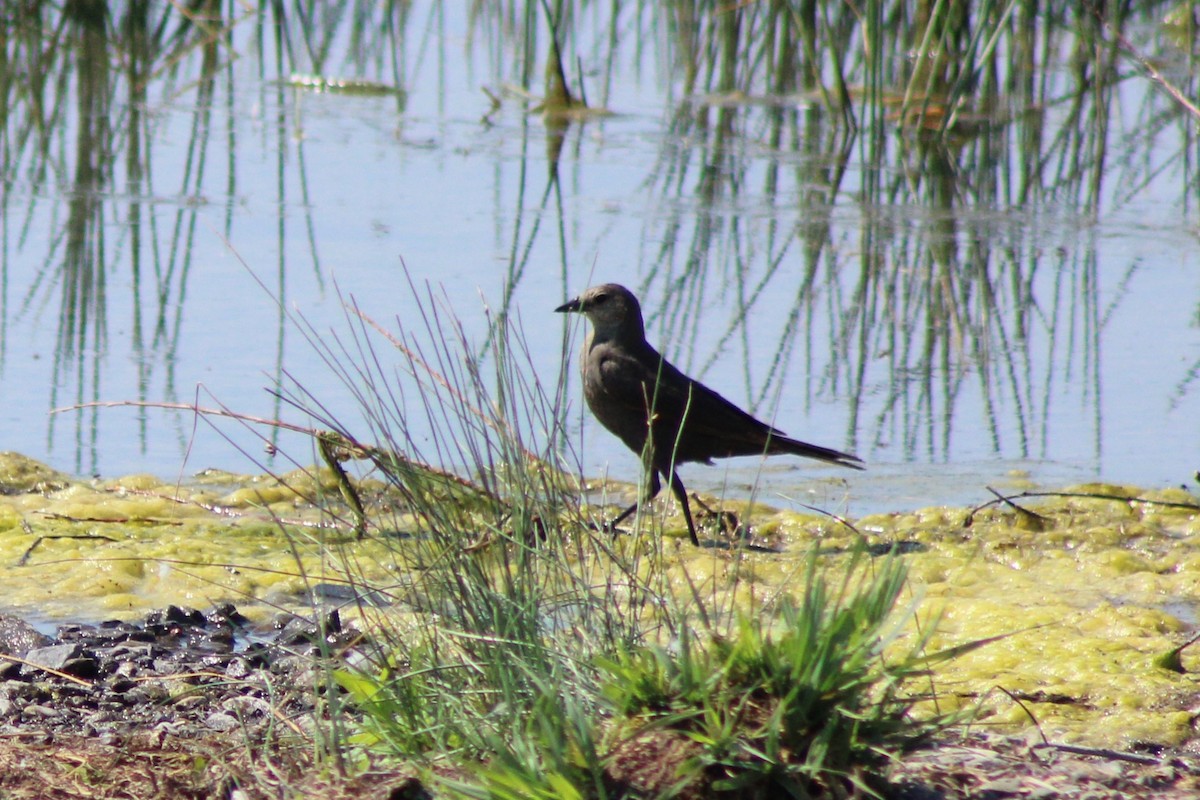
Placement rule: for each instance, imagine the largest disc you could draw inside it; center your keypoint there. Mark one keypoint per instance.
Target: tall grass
(521, 640)
(482, 544)
(797, 701)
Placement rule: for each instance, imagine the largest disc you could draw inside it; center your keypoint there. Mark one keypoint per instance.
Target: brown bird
(633, 391)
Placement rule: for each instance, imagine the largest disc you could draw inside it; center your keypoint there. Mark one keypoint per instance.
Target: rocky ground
(197, 705)
(181, 705)
(994, 768)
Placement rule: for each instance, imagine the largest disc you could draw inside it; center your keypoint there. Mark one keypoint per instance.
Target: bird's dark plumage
(633, 391)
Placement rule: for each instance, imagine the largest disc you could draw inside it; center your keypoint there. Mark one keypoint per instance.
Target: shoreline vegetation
(499, 646)
(526, 661)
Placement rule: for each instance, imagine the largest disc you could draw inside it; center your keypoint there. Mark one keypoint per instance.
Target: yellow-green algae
(117, 548)
(1085, 594)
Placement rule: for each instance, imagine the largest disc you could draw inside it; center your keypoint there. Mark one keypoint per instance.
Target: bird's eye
(600, 298)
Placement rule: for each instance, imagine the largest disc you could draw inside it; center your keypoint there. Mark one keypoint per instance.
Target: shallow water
(947, 344)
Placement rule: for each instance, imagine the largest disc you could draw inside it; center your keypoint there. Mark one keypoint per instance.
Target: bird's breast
(614, 400)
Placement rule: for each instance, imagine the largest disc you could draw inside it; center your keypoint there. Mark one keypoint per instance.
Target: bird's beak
(570, 305)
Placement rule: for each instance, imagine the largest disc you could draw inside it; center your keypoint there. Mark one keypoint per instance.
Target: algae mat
(91, 550)
(1086, 595)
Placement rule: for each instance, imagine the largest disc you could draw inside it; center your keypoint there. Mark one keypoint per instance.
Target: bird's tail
(782, 444)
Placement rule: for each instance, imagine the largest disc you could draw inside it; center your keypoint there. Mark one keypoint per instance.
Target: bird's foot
(727, 522)
(604, 527)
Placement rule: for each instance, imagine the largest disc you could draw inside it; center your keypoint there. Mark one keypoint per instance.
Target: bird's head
(612, 309)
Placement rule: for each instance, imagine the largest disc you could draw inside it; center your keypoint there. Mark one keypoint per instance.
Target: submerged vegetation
(941, 128)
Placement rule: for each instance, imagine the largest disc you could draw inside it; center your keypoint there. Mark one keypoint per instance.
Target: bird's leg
(612, 524)
(652, 491)
(681, 496)
(677, 488)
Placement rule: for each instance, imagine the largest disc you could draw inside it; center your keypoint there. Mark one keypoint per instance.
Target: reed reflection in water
(962, 246)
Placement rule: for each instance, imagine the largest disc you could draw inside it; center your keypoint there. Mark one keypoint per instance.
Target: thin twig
(1082, 495)
(1100, 752)
(193, 407)
(52, 671)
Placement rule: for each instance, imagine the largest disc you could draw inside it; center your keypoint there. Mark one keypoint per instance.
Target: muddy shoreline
(178, 672)
(196, 704)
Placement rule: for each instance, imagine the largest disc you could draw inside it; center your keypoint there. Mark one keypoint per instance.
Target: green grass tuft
(793, 700)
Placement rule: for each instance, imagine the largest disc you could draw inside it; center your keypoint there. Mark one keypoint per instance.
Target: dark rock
(125, 669)
(86, 668)
(18, 637)
(237, 668)
(40, 711)
(222, 721)
(54, 656)
(226, 614)
(246, 705)
(72, 631)
(175, 616)
(295, 630)
(163, 666)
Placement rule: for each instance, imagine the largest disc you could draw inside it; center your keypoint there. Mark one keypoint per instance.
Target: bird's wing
(622, 378)
(641, 380)
(712, 417)
(705, 408)
(723, 429)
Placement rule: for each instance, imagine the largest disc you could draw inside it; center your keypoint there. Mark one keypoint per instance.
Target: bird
(638, 395)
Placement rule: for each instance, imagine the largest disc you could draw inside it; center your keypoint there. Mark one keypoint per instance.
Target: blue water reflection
(945, 336)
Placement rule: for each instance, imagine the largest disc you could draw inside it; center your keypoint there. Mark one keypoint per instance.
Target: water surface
(955, 336)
